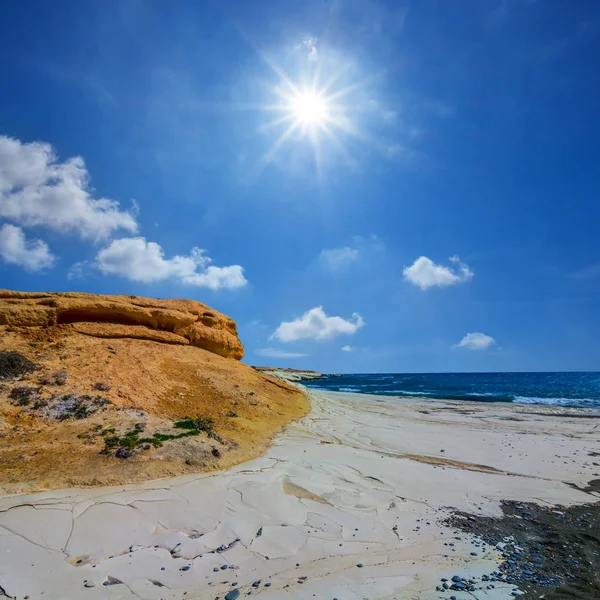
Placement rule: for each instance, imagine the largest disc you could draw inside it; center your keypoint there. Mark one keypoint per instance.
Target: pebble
(232, 595)
(360, 565)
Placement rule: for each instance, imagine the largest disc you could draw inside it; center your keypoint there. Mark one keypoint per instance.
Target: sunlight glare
(310, 108)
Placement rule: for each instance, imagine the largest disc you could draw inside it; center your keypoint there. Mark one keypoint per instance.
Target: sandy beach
(347, 503)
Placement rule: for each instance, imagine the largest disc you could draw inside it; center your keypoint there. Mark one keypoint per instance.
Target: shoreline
(358, 481)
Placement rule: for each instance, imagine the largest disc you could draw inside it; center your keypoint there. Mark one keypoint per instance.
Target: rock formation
(107, 390)
(169, 321)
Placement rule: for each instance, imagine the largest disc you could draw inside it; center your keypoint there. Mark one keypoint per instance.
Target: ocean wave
(577, 402)
(348, 389)
(408, 393)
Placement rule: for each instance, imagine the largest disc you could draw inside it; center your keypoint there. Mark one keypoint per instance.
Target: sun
(310, 108)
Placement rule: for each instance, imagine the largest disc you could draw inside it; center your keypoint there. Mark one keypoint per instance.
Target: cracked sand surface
(359, 480)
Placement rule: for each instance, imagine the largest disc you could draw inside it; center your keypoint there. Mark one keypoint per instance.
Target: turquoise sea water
(580, 390)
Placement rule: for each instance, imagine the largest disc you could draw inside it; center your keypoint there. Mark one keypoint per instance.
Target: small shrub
(22, 395)
(132, 441)
(60, 378)
(204, 424)
(46, 379)
(74, 406)
(14, 364)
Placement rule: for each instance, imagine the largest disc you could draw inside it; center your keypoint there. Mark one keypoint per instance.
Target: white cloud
(139, 260)
(16, 249)
(424, 273)
(275, 353)
(38, 190)
(77, 270)
(339, 258)
(347, 348)
(310, 46)
(476, 341)
(361, 249)
(315, 324)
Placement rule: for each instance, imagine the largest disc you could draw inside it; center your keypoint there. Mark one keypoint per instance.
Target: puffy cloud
(16, 249)
(139, 260)
(339, 258)
(476, 341)
(315, 324)
(275, 353)
(347, 348)
(38, 190)
(424, 273)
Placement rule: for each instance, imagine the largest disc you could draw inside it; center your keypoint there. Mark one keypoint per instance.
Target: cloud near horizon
(424, 273)
(475, 341)
(16, 249)
(316, 325)
(276, 353)
(38, 190)
(139, 260)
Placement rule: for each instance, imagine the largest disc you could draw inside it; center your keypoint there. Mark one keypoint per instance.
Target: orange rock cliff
(170, 321)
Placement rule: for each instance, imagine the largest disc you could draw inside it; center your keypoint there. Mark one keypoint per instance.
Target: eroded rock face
(169, 321)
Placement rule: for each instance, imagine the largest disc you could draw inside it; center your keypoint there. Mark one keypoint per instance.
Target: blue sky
(438, 212)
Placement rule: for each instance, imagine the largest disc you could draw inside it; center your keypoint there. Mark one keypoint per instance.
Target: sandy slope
(359, 480)
(150, 382)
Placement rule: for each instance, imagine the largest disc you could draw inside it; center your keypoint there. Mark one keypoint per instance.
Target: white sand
(326, 495)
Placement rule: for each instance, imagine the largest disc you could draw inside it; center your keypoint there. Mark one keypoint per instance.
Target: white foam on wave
(557, 401)
(348, 389)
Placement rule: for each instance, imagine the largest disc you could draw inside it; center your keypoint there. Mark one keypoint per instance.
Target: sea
(580, 390)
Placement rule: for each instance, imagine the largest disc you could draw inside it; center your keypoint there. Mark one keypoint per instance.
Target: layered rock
(168, 321)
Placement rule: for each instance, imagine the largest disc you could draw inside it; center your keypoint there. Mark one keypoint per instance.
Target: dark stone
(232, 595)
(123, 452)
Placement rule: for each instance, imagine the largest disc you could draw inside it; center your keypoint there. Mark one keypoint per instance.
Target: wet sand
(348, 503)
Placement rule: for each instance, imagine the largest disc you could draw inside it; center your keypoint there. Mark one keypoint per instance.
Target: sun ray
(279, 142)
